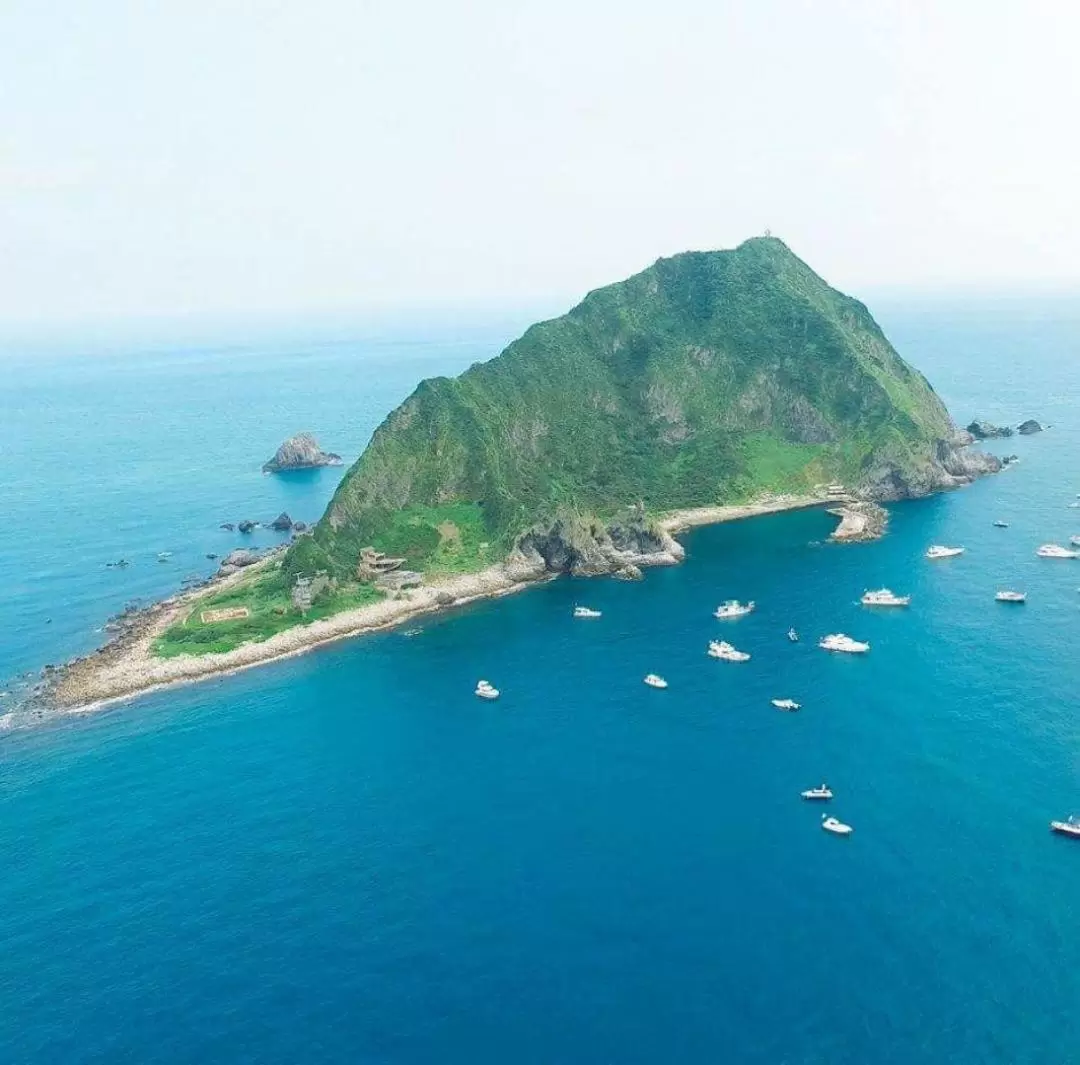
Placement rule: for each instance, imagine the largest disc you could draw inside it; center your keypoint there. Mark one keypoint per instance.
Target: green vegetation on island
(267, 596)
(709, 378)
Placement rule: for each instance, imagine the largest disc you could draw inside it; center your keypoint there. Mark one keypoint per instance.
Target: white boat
(1073, 506)
(837, 641)
(163, 555)
(1056, 551)
(654, 680)
(786, 704)
(1071, 827)
(1001, 524)
(484, 690)
(1074, 541)
(724, 651)
(884, 597)
(733, 609)
(586, 612)
(837, 828)
(819, 794)
(1009, 596)
(792, 635)
(937, 551)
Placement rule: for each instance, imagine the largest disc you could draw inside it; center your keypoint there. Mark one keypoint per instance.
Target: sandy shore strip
(127, 667)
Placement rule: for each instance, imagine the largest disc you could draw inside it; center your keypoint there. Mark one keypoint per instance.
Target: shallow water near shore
(347, 857)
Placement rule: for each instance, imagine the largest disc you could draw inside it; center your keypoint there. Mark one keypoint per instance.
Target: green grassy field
(266, 595)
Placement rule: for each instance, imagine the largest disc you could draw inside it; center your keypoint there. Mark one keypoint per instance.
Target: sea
(345, 857)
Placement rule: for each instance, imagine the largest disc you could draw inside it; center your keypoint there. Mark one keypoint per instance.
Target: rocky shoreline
(126, 667)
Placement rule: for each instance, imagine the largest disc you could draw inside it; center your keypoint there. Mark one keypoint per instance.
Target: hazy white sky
(190, 156)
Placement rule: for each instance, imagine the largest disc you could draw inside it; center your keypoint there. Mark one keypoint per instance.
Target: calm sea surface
(346, 857)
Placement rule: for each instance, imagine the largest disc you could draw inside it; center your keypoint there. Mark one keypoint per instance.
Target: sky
(185, 158)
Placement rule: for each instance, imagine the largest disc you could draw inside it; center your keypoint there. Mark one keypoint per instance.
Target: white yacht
(486, 691)
(884, 597)
(1073, 506)
(837, 641)
(1067, 828)
(1001, 524)
(1006, 596)
(786, 704)
(937, 551)
(838, 828)
(733, 609)
(1056, 551)
(724, 651)
(820, 794)
(654, 680)
(586, 612)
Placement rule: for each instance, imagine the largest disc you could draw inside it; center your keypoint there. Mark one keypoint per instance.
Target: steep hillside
(710, 377)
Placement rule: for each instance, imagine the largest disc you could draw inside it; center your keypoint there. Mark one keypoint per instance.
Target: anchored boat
(938, 551)
(725, 652)
(733, 609)
(884, 597)
(837, 641)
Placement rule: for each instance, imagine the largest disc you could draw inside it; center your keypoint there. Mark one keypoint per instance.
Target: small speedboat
(1071, 827)
(884, 597)
(654, 680)
(1056, 551)
(938, 551)
(733, 609)
(792, 635)
(837, 828)
(484, 690)
(1073, 506)
(725, 652)
(786, 704)
(585, 612)
(1001, 524)
(164, 556)
(1074, 541)
(1006, 596)
(820, 794)
(837, 641)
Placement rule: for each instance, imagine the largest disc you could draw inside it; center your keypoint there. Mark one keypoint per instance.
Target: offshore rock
(246, 527)
(987, 430)
(300, 452)
(282, 523)
(1029, 427)
(238, 559)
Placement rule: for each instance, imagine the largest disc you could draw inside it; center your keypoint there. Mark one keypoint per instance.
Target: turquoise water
(345, 857)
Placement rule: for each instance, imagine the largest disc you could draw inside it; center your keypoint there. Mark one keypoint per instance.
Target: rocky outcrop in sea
(950, 464)
(1029, 428)
(983, 430)
(300, 452)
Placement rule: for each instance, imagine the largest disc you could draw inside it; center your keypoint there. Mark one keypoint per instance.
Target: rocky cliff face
(300, 452)
(711, 377)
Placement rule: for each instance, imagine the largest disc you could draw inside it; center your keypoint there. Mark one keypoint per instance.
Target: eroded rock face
(282, 523)
(238, 559)
(585, 547)
(300, 452)
(947, 466)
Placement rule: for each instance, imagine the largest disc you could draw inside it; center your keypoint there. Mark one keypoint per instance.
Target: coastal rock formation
(1029, 427)
(246, 527)
(238, 559)
(982, 430)
(227, 526)
(859, 522)
(709, 378)
(282, 523)
(300, 452)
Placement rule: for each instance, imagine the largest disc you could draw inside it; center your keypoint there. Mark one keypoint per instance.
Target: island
(300, 452)
(711, 386)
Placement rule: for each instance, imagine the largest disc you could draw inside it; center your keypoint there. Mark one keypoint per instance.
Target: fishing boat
(654, 680)
(1001, 524)
(884, 597)
(1006, 596)
(786, 704)
(725, 652)
(837, 641)
(733, 609)
(1056, 551)
(586, 612)
(484, 690)
(1071, 827)
(939, 551)
(837, 828)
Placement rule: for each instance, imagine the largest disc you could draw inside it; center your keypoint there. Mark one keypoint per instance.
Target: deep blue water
(346, 857)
